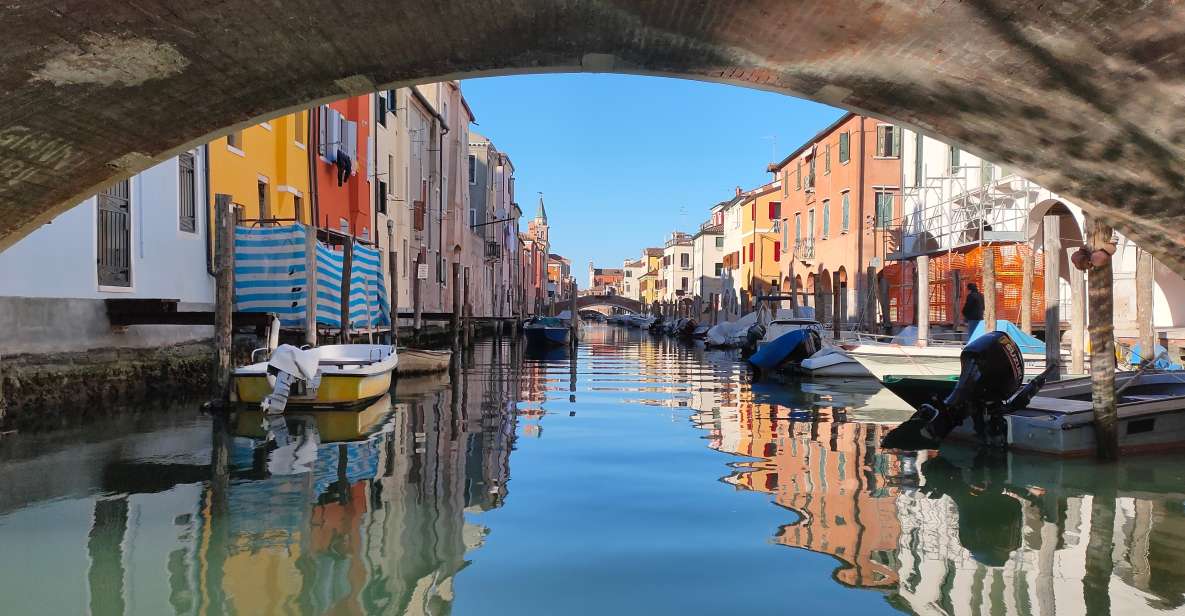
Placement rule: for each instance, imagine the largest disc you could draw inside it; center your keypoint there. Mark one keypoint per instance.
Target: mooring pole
(1026, 288)
(467, 328)
(347, 276)
(989, 289)
(456, 313)
(1053, 317)
(310, 268)
(393, 271)
(1077, 320)
(835, 322)
(922, 297)
(224, 293)
(575, 320)
(1102, 344)
(417, 296)
(1145, 274)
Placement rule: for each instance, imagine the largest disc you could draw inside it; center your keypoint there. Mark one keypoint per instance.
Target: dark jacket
(973, 308)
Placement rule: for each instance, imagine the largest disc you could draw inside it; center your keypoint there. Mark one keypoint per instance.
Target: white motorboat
(832, 361)
(882, 359)
(782, 326)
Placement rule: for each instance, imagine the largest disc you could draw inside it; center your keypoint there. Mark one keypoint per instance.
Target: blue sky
(624, 160)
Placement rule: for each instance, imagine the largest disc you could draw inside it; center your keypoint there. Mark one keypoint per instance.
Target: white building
(707, 266)
(632, 271)
(729, 214)
(676, 267)
(142, 238)
(954, 200)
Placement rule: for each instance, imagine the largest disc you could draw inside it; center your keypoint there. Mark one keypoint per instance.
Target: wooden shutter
(114, 235)
(187, 193)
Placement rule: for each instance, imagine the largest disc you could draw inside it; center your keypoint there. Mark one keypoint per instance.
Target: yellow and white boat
(351, 374)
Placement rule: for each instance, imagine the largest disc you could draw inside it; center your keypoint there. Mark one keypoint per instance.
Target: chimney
(738, 191)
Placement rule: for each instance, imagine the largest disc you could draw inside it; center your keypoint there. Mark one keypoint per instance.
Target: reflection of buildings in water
(834, 477)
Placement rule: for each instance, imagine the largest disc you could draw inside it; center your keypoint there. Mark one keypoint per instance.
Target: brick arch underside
(1086, 97)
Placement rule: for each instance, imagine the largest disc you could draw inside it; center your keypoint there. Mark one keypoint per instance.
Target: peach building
(840, 191)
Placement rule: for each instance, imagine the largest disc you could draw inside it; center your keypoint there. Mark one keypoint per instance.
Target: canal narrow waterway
(642, 475)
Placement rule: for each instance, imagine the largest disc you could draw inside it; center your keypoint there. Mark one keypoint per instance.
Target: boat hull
(547, 335)
(421, 361)
(335, 390)
(901, 360)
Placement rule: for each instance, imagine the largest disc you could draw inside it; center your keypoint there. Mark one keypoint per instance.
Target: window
(827, 159)
(684, 260)
(753, 211)
(298, 129)
(720, 269)
(114, 231)
(381, 198)
(798, 175)
(391, 100)
(810, 175)
(797, 227)
(751, 253)
(826, 217)
(343, 225)
(884, 209)
(235, 140)
(382, 108)
(785, 182)
(888, 141)
(918, 171)
(719, 241)
(775, 210)
(265, 210)
(952, 160)
(472, 169)
(683, 283)
(472, 217)
(986, 172)
(845, 211)
(187, 195)
(777, 251)
(810, 223)
(844, 147)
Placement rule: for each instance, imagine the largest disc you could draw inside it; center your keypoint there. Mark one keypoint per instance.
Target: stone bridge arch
(592, 302)
(1085, 96)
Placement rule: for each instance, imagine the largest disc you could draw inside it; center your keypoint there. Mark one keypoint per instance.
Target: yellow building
(648, 286)
(265, 169)
(761, 242)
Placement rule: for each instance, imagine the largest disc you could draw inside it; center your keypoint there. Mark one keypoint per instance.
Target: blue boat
(546, 330)
(796, 344)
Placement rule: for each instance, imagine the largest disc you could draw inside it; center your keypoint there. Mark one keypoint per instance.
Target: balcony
(804, 249)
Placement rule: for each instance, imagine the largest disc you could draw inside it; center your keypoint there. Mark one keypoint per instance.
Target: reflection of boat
(546, 330)
(350, 374)
(423, 361)
(830, 362)
(332, 425)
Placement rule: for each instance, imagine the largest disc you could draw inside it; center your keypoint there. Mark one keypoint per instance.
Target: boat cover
(1027, 343)
(731, 333)
(1162, 361)
(301, 363)
(772, 354)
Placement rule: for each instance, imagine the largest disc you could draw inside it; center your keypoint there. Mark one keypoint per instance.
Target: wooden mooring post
(1026, 289)
(310, 268)
(922, 297)
(347, 274)
(1102, 344)
(393, 271)
(989, 289)
(224, 294)
(1053, 316)
(1145, 275)
(455, 318)
(417, 296)
(1077, 320)
(835, 305)
(467, 327)
(574, 322)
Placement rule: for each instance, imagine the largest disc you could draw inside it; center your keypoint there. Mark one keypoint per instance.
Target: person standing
(972, 309)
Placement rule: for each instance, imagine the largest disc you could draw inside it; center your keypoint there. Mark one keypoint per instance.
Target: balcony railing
(804, 248)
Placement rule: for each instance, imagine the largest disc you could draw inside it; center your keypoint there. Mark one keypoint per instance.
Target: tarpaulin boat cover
(1027, 343)
(730, 333)
(1162, 361)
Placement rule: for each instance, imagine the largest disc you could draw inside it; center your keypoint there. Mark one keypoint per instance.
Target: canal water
(641, 475)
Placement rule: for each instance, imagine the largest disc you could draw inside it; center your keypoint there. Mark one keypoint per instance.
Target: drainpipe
(314, 126)
(209, 210)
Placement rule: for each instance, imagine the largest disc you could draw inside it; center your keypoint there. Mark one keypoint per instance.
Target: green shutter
(846, 210)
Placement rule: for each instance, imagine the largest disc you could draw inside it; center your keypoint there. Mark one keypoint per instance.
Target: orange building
(340, 162)
(840, 191)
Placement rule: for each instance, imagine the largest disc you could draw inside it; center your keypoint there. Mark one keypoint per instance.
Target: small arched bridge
(606, 304)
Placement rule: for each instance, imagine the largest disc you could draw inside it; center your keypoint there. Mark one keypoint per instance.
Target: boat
(904, 357)
(423, 361)
(350, 375)
(792, 345)
(832, 361)
(1056, 418)
(546, 330)
(782, 326)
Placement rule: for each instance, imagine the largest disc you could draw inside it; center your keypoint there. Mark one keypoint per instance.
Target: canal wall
(46, 325)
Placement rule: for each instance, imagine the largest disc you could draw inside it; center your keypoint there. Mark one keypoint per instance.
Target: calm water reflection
(408, 507)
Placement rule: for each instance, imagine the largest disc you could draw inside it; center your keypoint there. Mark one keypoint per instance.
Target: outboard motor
(989, 387)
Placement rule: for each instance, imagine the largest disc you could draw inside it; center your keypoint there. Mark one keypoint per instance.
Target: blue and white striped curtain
(368, 294)
(270, 272)
(270, 277)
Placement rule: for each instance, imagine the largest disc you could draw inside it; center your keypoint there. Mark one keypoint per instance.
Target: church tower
(538, 227)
